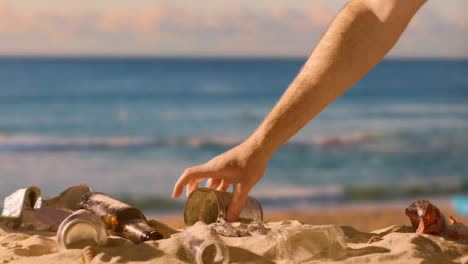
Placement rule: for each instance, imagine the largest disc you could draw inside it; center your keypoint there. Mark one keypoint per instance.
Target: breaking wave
(33, 143)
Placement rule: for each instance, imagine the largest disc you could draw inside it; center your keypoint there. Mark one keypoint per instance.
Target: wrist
(260, 147)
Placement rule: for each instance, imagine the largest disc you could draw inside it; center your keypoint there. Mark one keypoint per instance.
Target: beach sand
(364, 216)
(313, 238)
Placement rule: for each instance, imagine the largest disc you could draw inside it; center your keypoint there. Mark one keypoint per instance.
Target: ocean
(130, 126)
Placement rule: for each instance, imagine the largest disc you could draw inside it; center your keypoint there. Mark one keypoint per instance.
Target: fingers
(191, 186)
(196, 173)
(239, 197)
(223, 186)
(213, 183)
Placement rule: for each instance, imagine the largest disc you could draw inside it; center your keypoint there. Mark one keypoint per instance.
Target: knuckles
(187, 171)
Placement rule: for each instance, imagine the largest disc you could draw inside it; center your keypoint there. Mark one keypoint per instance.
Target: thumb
(237, 203)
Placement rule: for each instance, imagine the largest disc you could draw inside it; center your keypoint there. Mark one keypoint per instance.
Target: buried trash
(426, 218)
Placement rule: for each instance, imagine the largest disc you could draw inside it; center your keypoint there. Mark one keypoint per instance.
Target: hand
(242, 166)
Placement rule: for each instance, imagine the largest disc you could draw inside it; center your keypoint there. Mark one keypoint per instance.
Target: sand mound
(288, 241)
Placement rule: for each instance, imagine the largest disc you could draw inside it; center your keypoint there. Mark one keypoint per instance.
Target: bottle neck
(138, 231)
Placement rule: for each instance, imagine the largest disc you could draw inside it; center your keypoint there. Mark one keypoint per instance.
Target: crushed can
(26, 210)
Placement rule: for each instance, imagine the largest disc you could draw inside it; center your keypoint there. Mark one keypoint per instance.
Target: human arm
(357, 39)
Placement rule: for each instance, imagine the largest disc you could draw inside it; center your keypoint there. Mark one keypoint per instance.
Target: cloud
(156, 30)
(172, 30)
(430, 34)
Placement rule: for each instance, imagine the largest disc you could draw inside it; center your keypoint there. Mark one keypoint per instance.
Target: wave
(340, 141)
(374, 142)
(31, 143)
(45, 143)
(26, 143)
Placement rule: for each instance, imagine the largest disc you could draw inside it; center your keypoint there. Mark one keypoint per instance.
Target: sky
(208, 28)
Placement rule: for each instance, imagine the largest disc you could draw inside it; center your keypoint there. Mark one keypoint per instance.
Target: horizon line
(214, 57)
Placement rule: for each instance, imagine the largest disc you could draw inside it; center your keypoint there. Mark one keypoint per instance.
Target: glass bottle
(203, 250)
(80, 229)
(120, 218)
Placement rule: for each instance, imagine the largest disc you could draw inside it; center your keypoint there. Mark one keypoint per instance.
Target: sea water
(130, 126)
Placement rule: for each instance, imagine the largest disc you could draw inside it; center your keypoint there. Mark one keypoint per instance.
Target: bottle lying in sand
(81, 229)
(120, 218)
(202, 246)
(320, 241)
(204, 251)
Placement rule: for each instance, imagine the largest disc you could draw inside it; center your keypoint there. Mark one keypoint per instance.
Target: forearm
(362, 33)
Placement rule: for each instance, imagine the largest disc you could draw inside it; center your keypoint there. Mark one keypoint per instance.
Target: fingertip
(235, 208)
(209, 183)
(180, 184)
(213, 183)
(176, 192)
(191, 186)
(190, 177)
(232, 215)
(223, 186)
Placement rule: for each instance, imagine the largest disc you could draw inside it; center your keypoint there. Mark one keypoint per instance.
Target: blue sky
(208, 28)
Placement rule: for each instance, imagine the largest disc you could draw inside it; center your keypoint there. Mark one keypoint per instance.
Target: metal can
(208, 205)
(20, 200)
(26, 210)
(81, 229)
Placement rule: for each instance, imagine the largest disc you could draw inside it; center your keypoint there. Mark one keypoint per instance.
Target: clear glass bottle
(120, 218)
(207, 250)
(290, 243)
(81, 229)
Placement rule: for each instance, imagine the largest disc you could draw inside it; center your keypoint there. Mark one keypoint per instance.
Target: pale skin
(357, 39)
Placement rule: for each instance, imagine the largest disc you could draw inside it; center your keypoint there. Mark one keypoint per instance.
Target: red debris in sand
(457, 230)
(425, 218)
